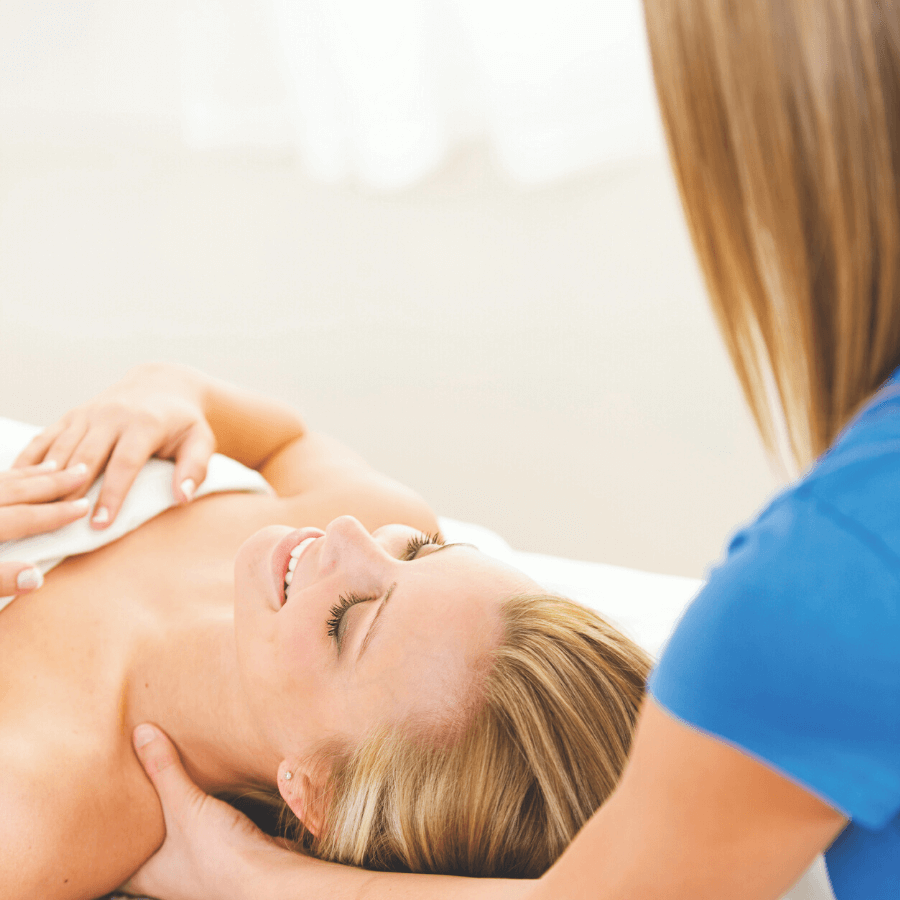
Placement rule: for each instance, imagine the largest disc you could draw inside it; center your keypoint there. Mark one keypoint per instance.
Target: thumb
(163, 766)
(191, 461)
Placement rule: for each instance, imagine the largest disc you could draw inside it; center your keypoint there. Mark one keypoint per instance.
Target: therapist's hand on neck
(210, 850)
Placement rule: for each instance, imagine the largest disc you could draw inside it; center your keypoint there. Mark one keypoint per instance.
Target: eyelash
(418, 541)
(347, 601)
(339, 610)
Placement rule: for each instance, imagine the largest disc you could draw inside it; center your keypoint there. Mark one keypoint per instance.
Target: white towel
(150, 495)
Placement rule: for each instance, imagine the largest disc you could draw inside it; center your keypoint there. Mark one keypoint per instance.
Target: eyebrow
(448, 546)
(373, 625)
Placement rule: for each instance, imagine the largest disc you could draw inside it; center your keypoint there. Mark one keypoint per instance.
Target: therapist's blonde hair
(542, 746)
(783, 122)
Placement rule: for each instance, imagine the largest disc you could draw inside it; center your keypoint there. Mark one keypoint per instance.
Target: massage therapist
(772, 729)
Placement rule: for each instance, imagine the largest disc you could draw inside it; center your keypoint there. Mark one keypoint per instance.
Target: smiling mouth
(293, 559)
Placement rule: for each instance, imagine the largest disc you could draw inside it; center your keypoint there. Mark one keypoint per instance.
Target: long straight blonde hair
(783, 124)
(553, 721)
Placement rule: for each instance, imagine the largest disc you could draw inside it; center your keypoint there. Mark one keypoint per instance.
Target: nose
(349, 546)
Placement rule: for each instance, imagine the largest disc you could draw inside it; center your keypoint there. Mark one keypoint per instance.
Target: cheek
(314, 700)
(299, 656)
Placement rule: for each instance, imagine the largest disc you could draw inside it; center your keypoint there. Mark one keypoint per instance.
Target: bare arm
(317, 469)
(170, 411)
(320, 471)
(693, 818)
(179, 413)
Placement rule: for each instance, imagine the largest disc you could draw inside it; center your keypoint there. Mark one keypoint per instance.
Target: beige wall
(540, 362)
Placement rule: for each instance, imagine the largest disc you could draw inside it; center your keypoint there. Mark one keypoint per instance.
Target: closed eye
(418, 541)
(338, 615)
(337, 619)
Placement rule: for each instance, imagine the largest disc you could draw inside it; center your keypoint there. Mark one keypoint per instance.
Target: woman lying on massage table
(410, 702)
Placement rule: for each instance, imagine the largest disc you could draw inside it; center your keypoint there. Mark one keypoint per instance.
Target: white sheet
(642, 604)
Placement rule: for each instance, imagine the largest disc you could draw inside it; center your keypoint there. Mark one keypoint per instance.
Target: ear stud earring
(288, 776)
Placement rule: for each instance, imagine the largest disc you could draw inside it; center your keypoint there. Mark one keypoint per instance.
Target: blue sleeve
(792, 653)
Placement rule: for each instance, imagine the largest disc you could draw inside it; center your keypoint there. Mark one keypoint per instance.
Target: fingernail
(188, 487)
(78, 469)
(48, 465)
(29, 579)
(143, 734)
(101, 515)
(82, 504)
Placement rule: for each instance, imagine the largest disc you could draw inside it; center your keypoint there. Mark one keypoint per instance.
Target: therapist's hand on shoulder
(156, 410)
(210, 849)
(30, 503)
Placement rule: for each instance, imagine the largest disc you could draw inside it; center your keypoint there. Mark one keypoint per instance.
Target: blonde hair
(783, 123)
(543, 747)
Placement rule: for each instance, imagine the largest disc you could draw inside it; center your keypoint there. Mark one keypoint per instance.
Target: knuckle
(22, 520)
(111, 501)
(145, 418)
(114, 411)
(128, 459)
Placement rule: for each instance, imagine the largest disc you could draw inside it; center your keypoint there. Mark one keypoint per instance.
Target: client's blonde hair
(542, 748)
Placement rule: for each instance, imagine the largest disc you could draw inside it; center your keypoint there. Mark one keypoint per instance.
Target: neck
(189, 685)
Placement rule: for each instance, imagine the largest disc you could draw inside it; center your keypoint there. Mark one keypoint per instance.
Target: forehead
(457, 587)
(440, 626)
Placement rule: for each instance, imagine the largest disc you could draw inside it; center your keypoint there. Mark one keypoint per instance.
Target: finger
(191, 462)
(37, 518)
(162, 764)
(34, 485)
(131, 452)
(62, 448)
(19, 578)
(48, 465)
(36, 449)
(94, 451)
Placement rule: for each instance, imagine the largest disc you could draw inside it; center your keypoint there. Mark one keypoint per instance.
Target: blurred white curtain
(382, 91)
(377, 91)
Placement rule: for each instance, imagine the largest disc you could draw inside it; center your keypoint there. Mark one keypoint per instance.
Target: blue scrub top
(792, 649)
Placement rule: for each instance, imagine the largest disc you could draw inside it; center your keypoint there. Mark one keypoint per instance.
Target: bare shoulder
(67, 829)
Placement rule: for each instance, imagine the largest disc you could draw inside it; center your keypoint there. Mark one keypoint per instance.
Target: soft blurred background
(445, 229)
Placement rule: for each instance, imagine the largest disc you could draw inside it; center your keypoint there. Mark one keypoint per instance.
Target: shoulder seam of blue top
(854, 529)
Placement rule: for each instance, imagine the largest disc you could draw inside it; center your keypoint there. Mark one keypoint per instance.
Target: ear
(304, 794)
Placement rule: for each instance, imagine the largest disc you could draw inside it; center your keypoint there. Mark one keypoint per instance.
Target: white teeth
(301, 547)
(292, 563)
